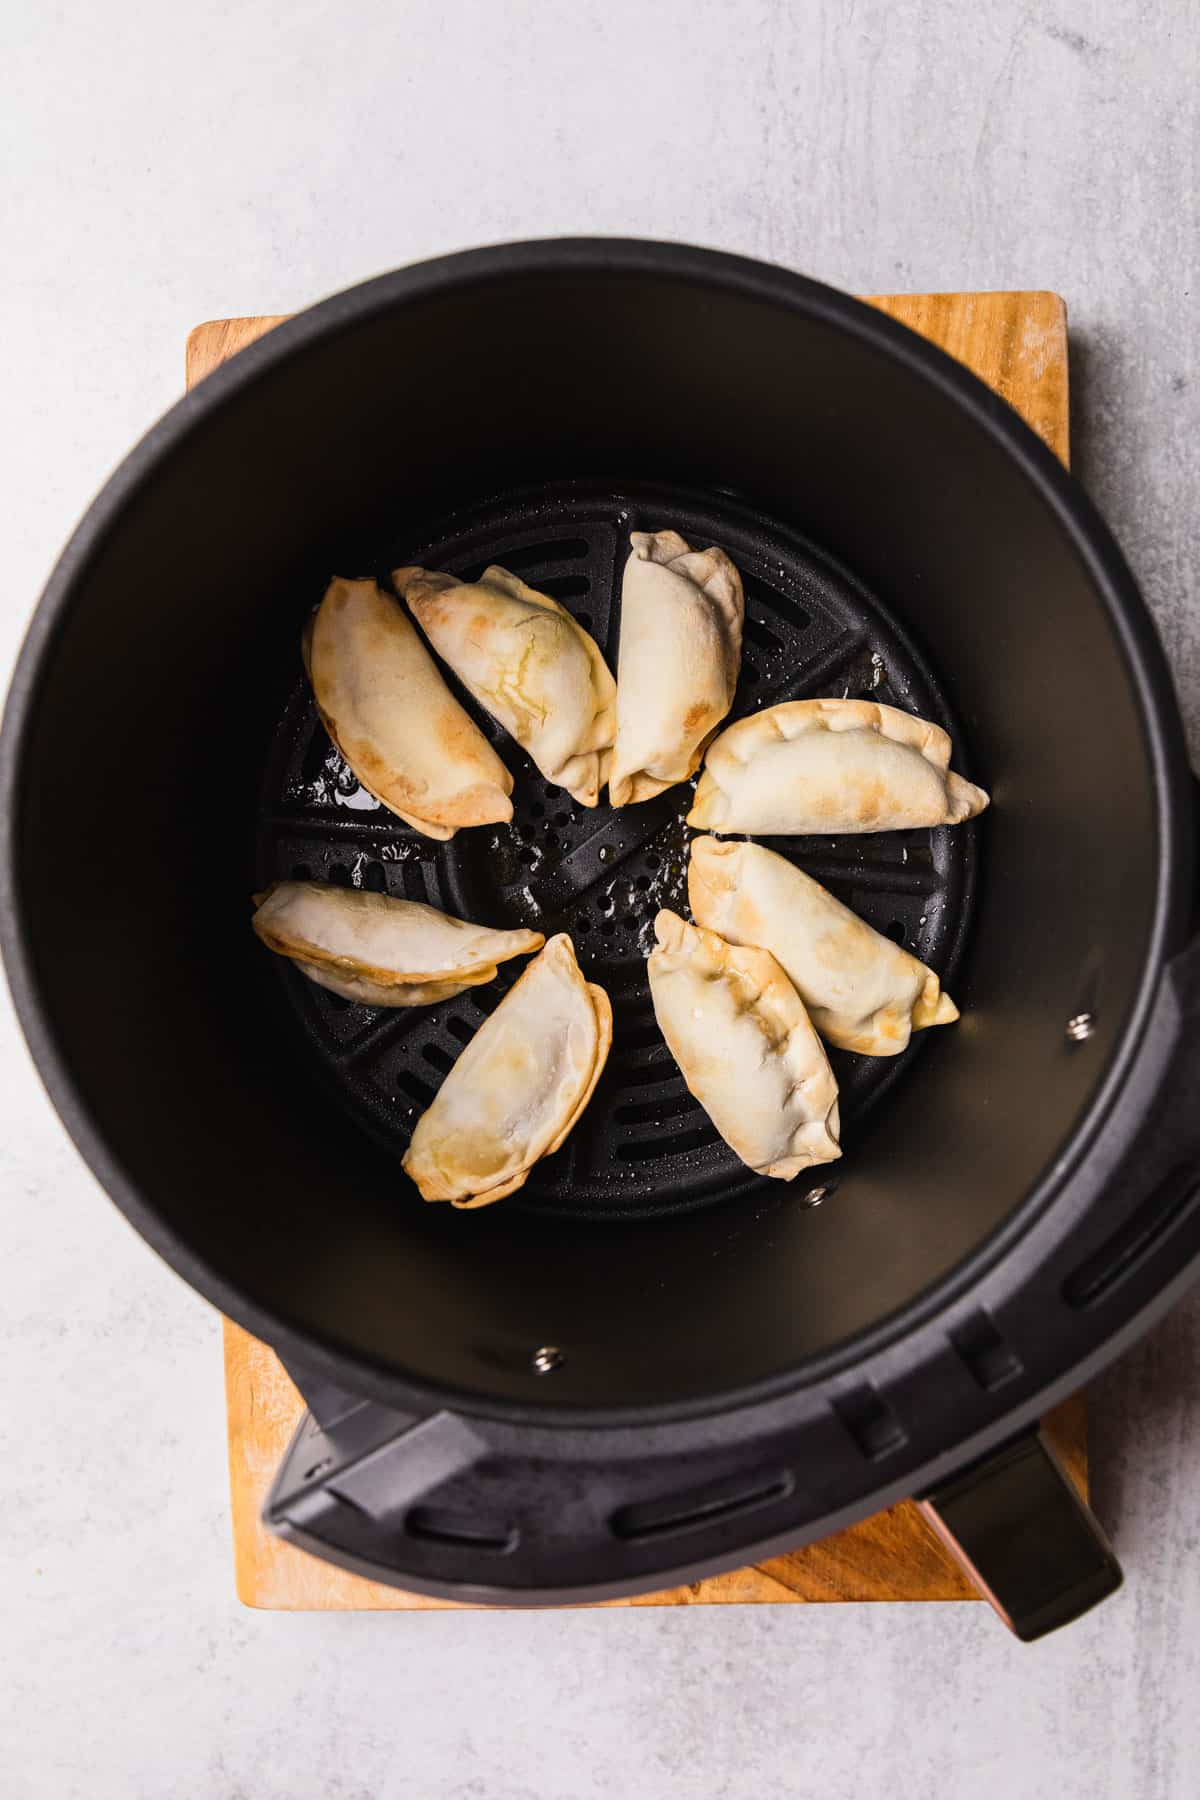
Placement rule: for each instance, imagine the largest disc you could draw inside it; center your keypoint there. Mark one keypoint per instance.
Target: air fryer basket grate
(644, 1146)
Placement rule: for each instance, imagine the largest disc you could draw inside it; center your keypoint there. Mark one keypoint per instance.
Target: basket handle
(1019, 1529)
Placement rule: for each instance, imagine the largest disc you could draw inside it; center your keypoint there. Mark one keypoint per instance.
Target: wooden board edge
(214, 342)
(1014, 341)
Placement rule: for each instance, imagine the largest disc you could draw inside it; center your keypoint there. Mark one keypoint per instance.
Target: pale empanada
(739, 1032)
(519, 1086)
(381, 951)
(831, 766)
(530, 663)
(678, 661)
(394, 720)
(862, 991)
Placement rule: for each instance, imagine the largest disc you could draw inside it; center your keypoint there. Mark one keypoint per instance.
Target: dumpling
(678, 661)
(831, 766)
(862, 991)
(391, 715)
(529, 663)
(739, 1032)
(519, 1086)
(381, 951)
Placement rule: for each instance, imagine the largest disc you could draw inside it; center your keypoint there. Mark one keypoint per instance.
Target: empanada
(394, 720)
(862, 991)
(378, 950)
(678, 661)
(831, 766)
(529, 663)
(519, 1086)
(739, 1032)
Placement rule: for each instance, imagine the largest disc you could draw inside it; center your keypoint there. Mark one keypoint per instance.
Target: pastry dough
(862, 991)
(394, 720)
(529, 663)
(831, 766)
(518, 1087)
(381, 951)
(677, 666)
(739, 1032)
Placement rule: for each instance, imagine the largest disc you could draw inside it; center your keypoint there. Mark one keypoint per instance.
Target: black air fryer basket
(650, 1364)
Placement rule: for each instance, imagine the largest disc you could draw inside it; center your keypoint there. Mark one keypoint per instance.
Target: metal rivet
(814, 1196)
(547, 1359)
(1081, 1026)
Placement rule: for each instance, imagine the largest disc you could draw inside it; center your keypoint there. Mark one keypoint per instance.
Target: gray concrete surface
(164, 166)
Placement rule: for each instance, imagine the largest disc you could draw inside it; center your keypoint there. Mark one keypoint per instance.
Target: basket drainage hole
(642, 883)
(417, 1090)
(653, 862)
(896, 931)
(565, 587)
(528, 557)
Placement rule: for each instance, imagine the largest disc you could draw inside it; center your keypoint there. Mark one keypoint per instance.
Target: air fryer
(651, 1363)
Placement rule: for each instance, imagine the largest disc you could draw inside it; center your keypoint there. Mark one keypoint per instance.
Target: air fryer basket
(734, 1370)
(644, 1147)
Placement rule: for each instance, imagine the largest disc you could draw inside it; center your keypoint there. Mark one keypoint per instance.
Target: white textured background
(163, 165)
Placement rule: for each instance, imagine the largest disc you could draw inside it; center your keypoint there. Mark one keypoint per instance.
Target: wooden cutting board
(1017, 343)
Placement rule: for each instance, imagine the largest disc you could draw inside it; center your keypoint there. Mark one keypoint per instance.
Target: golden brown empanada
(379, 950)
(834, 766)
(529, 663)
(394, 720)
(678, 661)
(519, 1086)
(862, 991)
(739, 1032)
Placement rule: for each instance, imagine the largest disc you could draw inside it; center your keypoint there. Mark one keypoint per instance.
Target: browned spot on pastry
(871, 797)
(750, 922)
(455, 732)
(478, 1154)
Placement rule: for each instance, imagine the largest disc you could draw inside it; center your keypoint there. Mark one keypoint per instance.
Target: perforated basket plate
(644, 1146)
